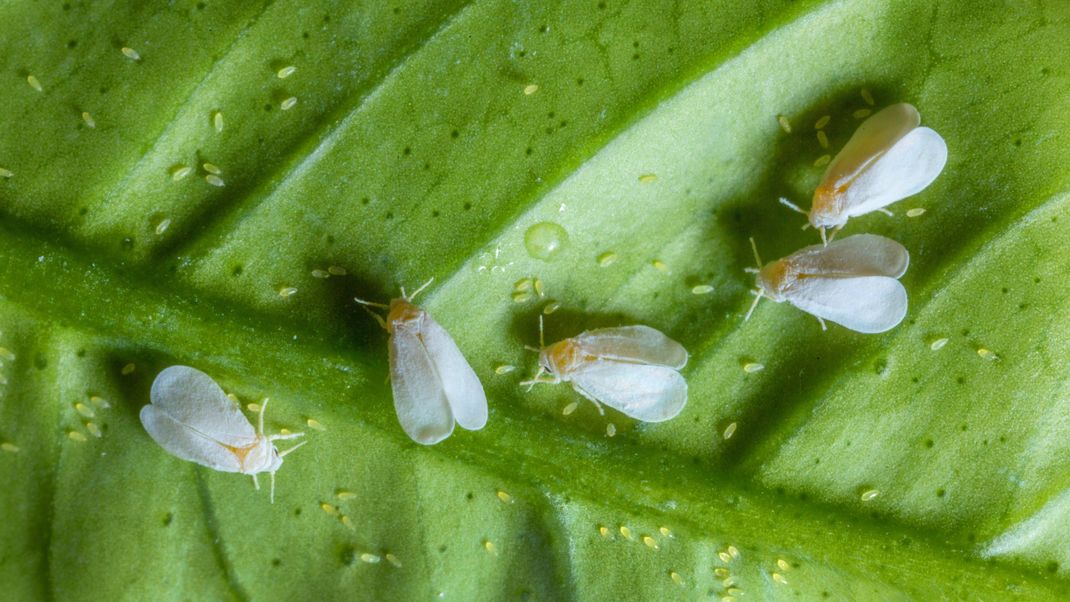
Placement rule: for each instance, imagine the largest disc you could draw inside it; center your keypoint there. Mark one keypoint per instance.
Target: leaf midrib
(627, 478)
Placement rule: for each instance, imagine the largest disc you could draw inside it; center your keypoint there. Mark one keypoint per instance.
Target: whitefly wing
(650, 393)
(873, 138)
(187, 443)
(191, 398)
(904, 170)
(867, 304)
(462, 388)
(858, 255)
(639, 344)
(419, 397)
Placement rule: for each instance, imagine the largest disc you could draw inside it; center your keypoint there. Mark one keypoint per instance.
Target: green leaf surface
(426, 140)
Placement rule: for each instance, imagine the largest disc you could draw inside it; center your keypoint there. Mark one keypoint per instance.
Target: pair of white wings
(887, 159)
(852, 281)
(192, 418)
(433, 385)
(634, 370)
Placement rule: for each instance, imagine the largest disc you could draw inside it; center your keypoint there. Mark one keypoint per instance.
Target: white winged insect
(633, 369)
(852, 282)
(887, 159)
(434, 386)
(192, 418)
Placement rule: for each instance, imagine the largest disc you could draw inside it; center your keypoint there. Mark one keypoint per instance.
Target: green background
(414, 152)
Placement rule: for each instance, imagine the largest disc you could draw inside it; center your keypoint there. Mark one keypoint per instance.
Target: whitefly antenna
(371, 303)
(542, 370)
(757, 257)
(541, 340)
(758, 262)
(417, 291)
(366, 304)
(283, 455)
(757, 297)
(260, 419)
(785, 202)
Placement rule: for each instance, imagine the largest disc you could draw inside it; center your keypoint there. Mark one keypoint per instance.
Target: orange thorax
(400, 311)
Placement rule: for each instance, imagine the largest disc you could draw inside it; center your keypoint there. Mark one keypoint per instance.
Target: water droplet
(544, 240)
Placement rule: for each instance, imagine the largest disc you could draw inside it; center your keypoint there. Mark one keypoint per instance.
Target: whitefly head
(828, 213)
(262, 457)
(557, 359)
(773, 279)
